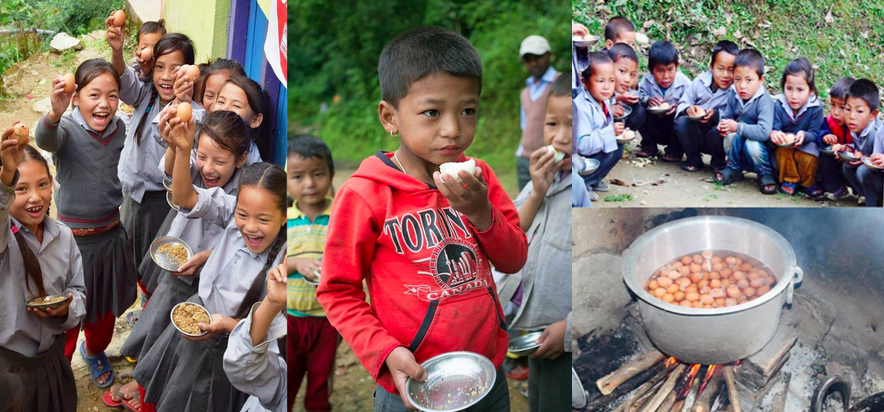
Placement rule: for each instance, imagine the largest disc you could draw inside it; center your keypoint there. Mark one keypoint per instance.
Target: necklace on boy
(400, 163)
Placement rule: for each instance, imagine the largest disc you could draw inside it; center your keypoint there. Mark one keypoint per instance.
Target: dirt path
(655, 183)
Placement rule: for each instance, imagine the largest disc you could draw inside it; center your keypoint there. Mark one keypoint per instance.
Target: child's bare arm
(182, 188)
(115, 37)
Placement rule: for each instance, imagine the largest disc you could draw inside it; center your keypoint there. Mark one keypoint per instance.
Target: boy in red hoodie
(423, 243)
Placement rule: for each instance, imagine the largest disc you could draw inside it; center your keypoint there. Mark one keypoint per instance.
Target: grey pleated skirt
(109, 273)
(155, 316)
(48, 380)
(180, 375)
(148, 271)
(143, 220)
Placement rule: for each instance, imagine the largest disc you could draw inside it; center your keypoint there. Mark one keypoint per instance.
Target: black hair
(12, 389)
(228, 131)
(617, 26)
(866, 90)
(170, 43)
(560, 87)
(310, 147)
(839, 89)
(725, 46)
(213, 67)
(259, 102)
(158, 26)
(33, 272)
(595, 59)
(622, 51)
(91, 69)
(750, 58)
(663, 53)
(271, 178)
(423, 51)
(799, 67)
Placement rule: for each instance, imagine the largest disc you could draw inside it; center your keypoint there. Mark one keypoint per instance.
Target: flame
(671, 361)
(689, 382)
(708, 377)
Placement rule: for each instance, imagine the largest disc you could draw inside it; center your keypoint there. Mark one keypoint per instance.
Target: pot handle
(797, 277)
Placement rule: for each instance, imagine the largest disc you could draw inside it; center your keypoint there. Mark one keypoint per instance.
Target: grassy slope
(847, 43)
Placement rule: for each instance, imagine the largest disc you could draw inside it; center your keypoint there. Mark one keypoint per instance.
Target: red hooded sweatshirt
(427, 268)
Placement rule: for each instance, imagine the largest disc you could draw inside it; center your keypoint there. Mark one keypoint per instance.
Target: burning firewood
(732, 388)
(626, 406)
(709, 389)
(667, 387)
(608, 383)
(627, 386)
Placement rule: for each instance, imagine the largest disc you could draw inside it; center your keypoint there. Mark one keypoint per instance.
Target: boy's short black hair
(617, 26)
(662, 52)
(799, 67)
(308, 147)
(622, 51)
(839, 89)
(421, 52)
(750, 58)
(726, 46)
(560, 87)
(595, 59)
(866, 90)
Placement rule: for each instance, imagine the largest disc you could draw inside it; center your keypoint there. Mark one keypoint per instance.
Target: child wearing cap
(535, 53)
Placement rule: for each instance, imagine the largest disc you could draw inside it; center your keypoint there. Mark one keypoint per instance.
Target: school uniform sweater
(864, 141)
(59, 257)
(593, 125)
(808, 119)
(90, 194)
(257, 368)
(754, 117)
(648, 88)
(545, 299)
(428, 269)
(702, 92)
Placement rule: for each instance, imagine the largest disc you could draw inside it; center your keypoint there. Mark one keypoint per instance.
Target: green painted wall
(204, 21)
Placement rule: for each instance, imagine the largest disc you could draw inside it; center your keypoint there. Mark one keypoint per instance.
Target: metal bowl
(587, 41)
(657, 111)
(788, 145)
(847, 156)
(627, 110)
(167, 183)
(172, 318)
(52, 305)
(868, 162)
(578, 394)
(586, 165)
(827, 150)
(455, 381)
(622, 140)
(313, 282)
(698, 117)
(160, 258)
(169, 200)
(525, 344)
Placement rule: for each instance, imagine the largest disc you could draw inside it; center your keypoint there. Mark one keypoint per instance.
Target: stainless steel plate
(868, 162)
(525, 344)
(169, 200)
(172, 318)
(455, 381)
(590, 165)
(160, 258)
(827, 150)
(627, 110)
(587, 41)
(48, 305)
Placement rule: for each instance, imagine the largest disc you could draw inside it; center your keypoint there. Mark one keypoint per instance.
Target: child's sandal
(814, 192)
(767, 185)
(788, 188)
(727, 176)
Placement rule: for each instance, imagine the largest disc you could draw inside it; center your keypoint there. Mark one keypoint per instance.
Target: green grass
(851, 44)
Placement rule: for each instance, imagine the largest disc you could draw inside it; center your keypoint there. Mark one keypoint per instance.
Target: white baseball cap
(534, 44)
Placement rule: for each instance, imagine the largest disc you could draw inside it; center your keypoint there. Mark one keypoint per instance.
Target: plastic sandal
(767, 185)
(98, 365)
(690, 168)
(728, 176)
(788, 188)
(814, 192)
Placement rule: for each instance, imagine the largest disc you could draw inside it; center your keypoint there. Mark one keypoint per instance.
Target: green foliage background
(334, 48)
(839, 37)
(73, 17)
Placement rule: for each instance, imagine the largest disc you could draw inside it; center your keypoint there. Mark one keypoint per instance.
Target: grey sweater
(90, 193)
(754, 117)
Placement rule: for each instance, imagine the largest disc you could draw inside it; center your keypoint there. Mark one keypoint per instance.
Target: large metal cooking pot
(711, 336)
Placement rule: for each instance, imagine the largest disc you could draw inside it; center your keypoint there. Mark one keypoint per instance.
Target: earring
(393, 132)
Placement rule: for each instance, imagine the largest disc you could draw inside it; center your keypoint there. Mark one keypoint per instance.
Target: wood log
(779, 402)
(643, 389)
(643, 400)
(708, 395)
(732, 388)
(669, 402)
(626, 387)
(667, 387)
(679, 405)
(611, 381)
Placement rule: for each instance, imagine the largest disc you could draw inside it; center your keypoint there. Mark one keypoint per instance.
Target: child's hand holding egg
(181, 126)
(114, 34)
(21, 132)
(468, 194)
(63, 88)
(452, 169)
(186, 75)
